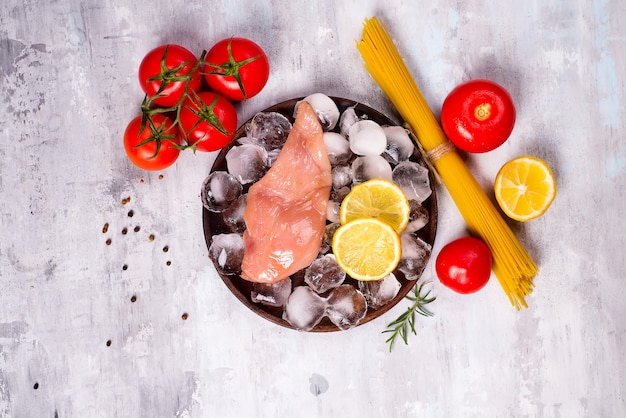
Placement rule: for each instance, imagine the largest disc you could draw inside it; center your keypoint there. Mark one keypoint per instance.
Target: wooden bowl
(242, 288)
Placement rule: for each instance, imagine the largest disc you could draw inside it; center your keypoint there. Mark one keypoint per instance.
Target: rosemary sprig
(406, 321)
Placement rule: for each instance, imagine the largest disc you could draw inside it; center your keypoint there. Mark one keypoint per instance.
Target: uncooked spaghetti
(512, 265)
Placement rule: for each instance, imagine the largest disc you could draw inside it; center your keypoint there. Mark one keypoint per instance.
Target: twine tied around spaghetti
(439, 151)
(434, 154)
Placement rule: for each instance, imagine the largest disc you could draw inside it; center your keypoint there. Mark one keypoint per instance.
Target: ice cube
(270, 129)
(347, 119)
(324, 249)
(378, 293)
(329, 232)
(226, 252)
(325, 108)
(324, 274)
(339, 194)
(334, 204)
(337, 147)
(346, 306)
(247, 162)
(332, 211)
(399, 144)
(219, 190)
(369, 167)
(232, 217)
(413, 180)
(271, 294)
(367, 138)
(415, 254)
(249, 140)
(272, 156)
(418, 217)
(342, 176)
(304, 308)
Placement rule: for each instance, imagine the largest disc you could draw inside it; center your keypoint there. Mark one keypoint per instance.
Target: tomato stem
(157, 134)
(203, 111)
(231, 68)
(147, 108)
(482, 112)
(206, 113)
(169, 75)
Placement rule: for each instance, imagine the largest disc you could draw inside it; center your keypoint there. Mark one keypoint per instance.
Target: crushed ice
(415, 255)
(370, 167)
(304, 308)
(247, 162)
(413, 180)
(325, 108)
(367, 138)
(346, 307)
(324, 274)
(399, 145)
(269, 129)
(219, 190)
(271, 294)
(226, 252)
(378, 293)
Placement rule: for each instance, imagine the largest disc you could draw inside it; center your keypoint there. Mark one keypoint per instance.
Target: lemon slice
(524, 188)
(367, 249)
(378, 199)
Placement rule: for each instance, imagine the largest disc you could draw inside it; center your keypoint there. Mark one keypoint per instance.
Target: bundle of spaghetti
(512, 265)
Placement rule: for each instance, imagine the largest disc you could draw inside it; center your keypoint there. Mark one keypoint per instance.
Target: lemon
(378, 199)
(367, 249)
(525, 188)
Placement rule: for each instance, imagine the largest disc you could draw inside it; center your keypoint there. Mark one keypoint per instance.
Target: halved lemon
(367, 249)
(378, 199)
(525, 188)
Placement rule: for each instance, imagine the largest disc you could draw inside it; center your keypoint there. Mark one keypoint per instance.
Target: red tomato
(165, 71)
(478, 116)
(208, 121)
(464, 265)
(236, 68)
(154, 147)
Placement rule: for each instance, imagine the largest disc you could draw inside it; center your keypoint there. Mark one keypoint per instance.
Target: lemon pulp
(367, 249)
(525, 188)
(376, 199)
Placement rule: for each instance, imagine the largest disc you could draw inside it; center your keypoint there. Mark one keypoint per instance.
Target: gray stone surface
(68, 88)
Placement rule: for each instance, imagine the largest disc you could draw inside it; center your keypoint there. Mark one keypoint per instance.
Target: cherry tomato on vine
(154, 147)
(166, 71)
(208, 121)
(236, 68)
(464, 265)
(478, 116)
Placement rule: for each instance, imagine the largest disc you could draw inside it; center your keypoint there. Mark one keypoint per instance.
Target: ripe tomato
(464, 265)
(236, 68)
(208, 121)
(154, 147)
(478, 116)
(165, 70)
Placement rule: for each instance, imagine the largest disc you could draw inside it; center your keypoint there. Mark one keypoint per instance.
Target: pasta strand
(512, 265)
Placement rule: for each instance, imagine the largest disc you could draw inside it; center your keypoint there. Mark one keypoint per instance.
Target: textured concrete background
(68, 87)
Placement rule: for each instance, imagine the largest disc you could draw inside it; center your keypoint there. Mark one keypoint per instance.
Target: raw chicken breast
(286, 211)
